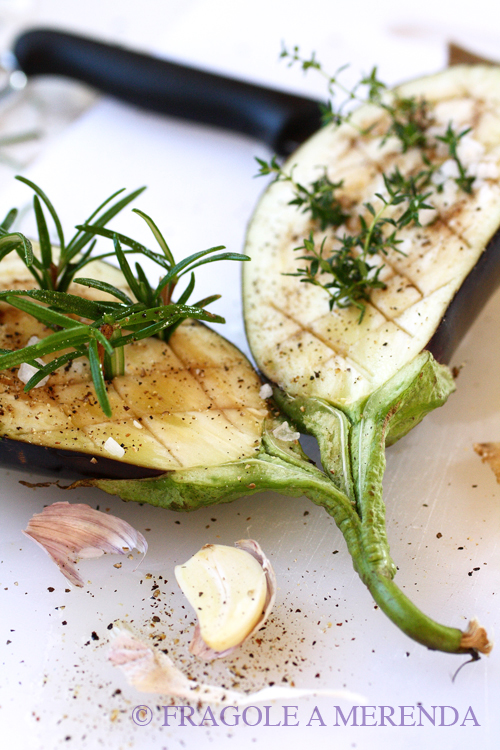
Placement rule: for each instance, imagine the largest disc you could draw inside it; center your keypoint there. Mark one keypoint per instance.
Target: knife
(279, 119)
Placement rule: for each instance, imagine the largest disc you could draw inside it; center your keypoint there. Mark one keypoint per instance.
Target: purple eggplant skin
(467, 303)
(15, 454)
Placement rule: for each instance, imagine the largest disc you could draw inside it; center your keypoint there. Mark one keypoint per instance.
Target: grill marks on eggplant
(297, 341)
(194, 401)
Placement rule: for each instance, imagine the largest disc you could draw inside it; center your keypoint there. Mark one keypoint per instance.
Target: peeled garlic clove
(232, 590)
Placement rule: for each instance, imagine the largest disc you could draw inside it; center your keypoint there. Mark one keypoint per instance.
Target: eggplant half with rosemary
(189, 401)
(104, 375)
(372, 250)
(178, 420)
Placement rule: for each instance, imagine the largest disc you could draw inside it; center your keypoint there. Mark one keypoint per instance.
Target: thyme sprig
(319, 199)
(351, 276)
(410, 117)
(452, 140)
(99, 329)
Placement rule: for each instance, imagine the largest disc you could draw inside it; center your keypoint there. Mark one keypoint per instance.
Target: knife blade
(279, 119)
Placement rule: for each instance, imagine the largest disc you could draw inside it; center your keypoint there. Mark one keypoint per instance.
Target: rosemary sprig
(99, 329)
(55, 270)
(319, 199)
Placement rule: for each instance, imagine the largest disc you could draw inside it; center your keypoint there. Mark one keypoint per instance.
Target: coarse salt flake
(266, 391)
(114, 448)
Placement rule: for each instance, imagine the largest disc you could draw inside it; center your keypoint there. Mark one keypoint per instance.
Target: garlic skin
(232, 590)
(68, 532)
(490, 454)
(151, 671)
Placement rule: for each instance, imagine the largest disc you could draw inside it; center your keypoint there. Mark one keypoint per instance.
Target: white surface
(56, 683)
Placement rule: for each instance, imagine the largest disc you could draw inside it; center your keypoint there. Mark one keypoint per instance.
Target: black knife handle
(280, 120)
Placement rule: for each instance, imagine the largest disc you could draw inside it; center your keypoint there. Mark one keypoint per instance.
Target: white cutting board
(57, 689)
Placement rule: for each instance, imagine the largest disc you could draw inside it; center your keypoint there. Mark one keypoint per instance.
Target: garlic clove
(232, 590)
(68, 532)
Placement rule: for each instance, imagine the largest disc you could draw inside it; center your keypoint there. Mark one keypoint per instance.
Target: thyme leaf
(452, 140)
(319, 199)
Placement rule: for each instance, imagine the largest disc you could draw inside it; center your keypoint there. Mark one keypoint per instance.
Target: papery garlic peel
(71, 531)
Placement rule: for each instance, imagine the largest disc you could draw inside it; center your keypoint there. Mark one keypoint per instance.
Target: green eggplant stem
(409, 618)
(391, 600)
(194, 488)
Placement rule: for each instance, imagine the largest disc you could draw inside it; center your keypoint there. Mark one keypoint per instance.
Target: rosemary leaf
(43, 314)
(81, 238)
(51, 209)
(49, 345)
(70, 304)
(45, 244)
(98, 378)
(20, 243)
(157, 235)
(187, 291)
(103, 286)
(9, 220)
(126, 270)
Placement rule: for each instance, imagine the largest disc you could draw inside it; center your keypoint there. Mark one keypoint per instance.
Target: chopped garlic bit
(283, 432)
(266, 391)
(26, 371)
(152, 671)
(137, 424)
(469, 151)
(232, 590)
(68, 532)
(114, 448)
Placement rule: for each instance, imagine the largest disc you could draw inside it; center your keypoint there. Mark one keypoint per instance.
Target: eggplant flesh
(192, 402)
(434, 288)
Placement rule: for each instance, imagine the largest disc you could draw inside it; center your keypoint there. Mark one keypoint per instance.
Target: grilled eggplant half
(360, 382)
(189, 402)
(292, 332)
(189, 426)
